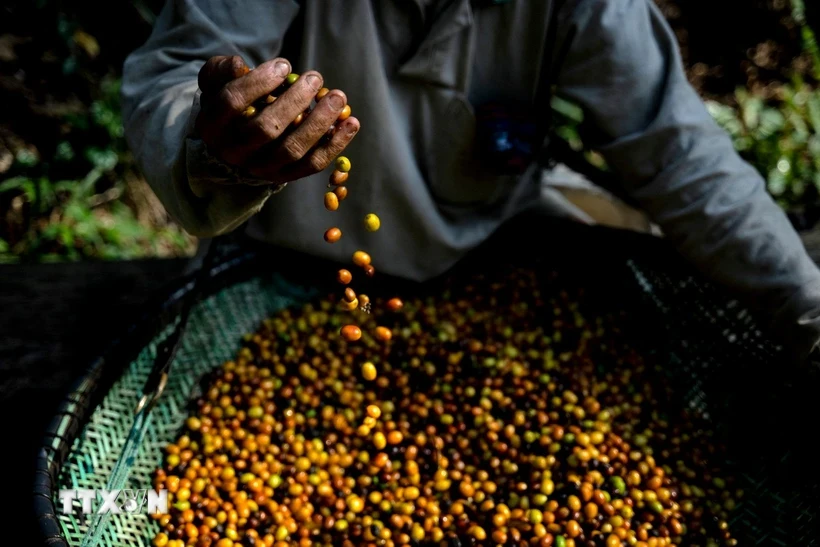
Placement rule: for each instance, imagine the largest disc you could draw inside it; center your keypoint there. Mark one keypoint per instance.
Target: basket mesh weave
(728, 371)
(724, 366)
(215, 330)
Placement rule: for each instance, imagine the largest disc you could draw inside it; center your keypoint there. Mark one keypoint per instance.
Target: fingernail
(336, 102)
(282, 69)
(351, 129)
(314, 81)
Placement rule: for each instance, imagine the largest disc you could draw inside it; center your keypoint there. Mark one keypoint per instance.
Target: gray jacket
(414, 92)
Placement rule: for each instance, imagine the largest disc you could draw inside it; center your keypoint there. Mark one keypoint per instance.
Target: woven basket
(722, 362)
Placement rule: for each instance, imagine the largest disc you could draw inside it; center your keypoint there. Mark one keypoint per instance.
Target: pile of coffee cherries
(506, 410)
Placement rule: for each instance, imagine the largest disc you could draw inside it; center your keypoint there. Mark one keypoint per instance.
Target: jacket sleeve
(161, 101)
(623, 67)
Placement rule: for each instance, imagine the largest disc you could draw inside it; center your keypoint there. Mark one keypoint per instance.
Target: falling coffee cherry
(332, 235)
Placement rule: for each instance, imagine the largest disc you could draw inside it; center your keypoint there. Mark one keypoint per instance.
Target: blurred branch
(109, 195)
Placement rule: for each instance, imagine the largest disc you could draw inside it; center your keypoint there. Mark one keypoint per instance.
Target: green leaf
(102, 158)
(13, 183)
(65, 236)
(776, 182)
(24, 184)
(567, 109)
(46, 194)
(771, 122)
(750, 112)
(64, 151)
(743, 144)
(67, 186)
(570, 135)
(51, 232)
(85, 188)
(77, 212)
(597, 160)
(726, 117)
(800, 129)
(814, 111)
(4, 246)
(109, 118)
(26, 158)
(814, 150)
(111, 89)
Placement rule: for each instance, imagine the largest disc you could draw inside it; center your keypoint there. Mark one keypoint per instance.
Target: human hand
(275, 139)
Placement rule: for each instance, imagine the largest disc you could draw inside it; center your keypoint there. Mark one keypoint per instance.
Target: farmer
(416, 73)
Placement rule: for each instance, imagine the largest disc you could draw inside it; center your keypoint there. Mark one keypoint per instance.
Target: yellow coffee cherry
(369, 371)
(372, 222)
(342, 164)
(331, 201)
